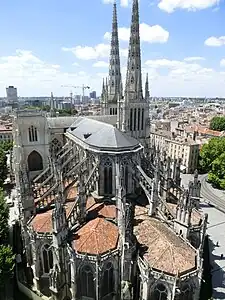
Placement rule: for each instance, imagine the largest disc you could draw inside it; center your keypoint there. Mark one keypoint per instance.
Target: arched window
(55, 147)
(47, 259)
(186, 292)
(107, 287)
(108, 177)
(87, 284)
(32, 131)
(35, 162)
(159, 293)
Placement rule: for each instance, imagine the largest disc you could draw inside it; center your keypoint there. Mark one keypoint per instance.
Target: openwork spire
(147, 94)
(133, 80)
(114, 65)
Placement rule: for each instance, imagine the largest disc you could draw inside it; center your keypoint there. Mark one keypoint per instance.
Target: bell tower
(135, 115)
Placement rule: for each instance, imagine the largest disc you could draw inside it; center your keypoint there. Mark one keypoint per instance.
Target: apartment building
(177, 147)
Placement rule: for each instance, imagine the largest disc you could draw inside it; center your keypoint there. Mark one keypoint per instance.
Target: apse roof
(164, 250)
(101, 135)
(96, 237)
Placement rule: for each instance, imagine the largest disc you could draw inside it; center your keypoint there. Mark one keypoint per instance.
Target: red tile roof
(166, 251)
(42, 223)
(98, 236)
(100, 209)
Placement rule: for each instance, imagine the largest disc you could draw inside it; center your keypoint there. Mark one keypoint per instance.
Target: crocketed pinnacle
(133, 87)
(114, 84)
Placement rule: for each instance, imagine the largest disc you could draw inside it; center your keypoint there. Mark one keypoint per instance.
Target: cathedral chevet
(103, 214)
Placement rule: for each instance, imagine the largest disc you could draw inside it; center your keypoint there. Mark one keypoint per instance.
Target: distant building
(93, 95)
(12, 98)
(6, 133)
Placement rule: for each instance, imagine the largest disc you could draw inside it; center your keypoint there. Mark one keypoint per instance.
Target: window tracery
(55, 147)
(107, 287)
(108, 176)
(47, 259)
(87, 287)
(32, 132)
(159, 292)
(186, 292)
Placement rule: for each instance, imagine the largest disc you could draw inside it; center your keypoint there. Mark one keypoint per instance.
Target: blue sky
(46, 44)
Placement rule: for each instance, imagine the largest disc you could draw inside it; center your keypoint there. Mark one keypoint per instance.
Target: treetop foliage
(217, 123)
(212, 160)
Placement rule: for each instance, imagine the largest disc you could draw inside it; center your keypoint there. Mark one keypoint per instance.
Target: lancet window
(32, 132)
(107, 287)
(186, 293)
(87, 282)
(47, 259)
(108, 177)
(159, 292)
(35, 162)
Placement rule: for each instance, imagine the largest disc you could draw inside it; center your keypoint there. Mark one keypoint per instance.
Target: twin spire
(133, 87)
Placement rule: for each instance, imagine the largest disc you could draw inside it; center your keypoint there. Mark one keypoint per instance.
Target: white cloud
(222, 62)
(100, 64)
(123, 3)
(34, 77)
(194, 58)
(87, 52)
(182, 78)
(149, 34)
(191, 5)
(99, 51)
(215, 41)
(75, 64)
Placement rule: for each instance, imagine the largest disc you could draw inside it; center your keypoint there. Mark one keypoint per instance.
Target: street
(212, 195)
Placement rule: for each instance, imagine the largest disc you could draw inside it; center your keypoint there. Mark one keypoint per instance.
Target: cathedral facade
(103, 214)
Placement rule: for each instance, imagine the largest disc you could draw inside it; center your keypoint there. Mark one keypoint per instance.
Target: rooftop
(98, 236)
(101, 135)
(164, 250)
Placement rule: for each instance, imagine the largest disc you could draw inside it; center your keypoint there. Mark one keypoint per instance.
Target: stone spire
(114, 83)
(52, 106)
(147, 94)
(133, 87)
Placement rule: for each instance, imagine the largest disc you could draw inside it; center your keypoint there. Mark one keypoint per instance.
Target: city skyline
(52, 44)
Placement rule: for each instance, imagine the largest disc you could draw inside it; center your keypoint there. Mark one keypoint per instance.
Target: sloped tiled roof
(100, 209)
(165, 251)
(42, 222)
(101, 135)
(96, 237)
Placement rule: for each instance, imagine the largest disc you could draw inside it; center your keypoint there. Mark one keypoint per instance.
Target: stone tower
(111, 90)
(135, 111)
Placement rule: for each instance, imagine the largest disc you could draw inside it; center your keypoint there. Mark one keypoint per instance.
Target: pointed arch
(159, 292)
(33, 135)
(107, 286)
(47, 258)
(35, 161)
(108, 165)
(186, 292)
(86, 283)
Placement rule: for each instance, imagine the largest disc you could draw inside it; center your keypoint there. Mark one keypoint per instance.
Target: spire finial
(134, 80)
(147, 94)
(114, 64)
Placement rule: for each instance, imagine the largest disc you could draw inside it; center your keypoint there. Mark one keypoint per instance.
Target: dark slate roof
(61, 122)
(101, 135)
(66, 122)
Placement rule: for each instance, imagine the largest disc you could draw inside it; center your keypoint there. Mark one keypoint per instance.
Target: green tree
(211, 151)
(6, 145)
(217, 123)
(4, 216)
(3, 166)
(212, 160)
(7, 262)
